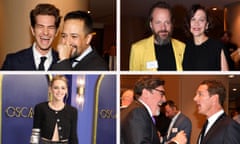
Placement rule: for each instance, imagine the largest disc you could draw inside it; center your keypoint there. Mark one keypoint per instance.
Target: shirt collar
(146, 106)
(86, 52)
(37, 55)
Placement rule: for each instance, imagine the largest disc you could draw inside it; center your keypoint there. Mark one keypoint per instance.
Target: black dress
(206, 56)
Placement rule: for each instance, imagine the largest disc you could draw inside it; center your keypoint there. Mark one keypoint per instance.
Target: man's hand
(65, 51)
(180, 138)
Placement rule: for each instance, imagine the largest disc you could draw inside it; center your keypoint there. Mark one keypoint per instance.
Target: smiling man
(137, 122)
(159, 52)
(75, 51)
(45, 20)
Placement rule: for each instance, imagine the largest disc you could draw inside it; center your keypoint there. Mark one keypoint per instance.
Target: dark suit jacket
(23, 60)
(223, 131)
(182, 123)
(137, 126)
(90, 62)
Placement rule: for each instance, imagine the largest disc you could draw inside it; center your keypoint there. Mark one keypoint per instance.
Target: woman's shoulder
(71, 108)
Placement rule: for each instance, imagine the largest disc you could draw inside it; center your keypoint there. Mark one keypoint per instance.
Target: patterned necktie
(41, 65)
(203, 131)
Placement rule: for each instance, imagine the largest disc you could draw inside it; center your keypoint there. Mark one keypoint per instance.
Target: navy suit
(137, 126)
(90, 62)
(182, 123)
(223, 131)
(23, 60)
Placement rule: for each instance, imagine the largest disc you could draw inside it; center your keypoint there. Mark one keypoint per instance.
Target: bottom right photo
(179, 109)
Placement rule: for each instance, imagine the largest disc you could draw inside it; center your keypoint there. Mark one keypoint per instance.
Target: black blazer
(90, 62)
(137, 126)
(46, 118)
(23, 60)
(223, 131)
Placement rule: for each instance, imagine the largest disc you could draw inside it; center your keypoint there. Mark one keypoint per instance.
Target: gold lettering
(19, 112)
(107, 114)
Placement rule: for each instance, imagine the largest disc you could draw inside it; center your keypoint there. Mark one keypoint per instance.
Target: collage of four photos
(120, 72)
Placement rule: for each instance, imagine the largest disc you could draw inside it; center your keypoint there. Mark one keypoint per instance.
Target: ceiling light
(214, 8)
(234, 89)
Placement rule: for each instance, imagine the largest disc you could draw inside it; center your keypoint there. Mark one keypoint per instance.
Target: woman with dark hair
(202, 52)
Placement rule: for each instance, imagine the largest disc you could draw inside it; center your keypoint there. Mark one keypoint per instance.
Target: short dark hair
(216, 87)
(160, 4)
(146, 83)
(45, 9)
(171, 104)
(81, 15)
(191, 12)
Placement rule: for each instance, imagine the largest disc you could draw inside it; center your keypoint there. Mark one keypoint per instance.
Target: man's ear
(215, 98)
(89, 38)
(32, 30)
(150, 24)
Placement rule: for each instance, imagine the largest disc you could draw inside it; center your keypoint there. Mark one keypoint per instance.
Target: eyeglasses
(162, 92)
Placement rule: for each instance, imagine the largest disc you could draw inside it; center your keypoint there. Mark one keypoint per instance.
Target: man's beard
(162, 41)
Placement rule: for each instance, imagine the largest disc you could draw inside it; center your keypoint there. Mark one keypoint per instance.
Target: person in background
(160, 51)
(235, 55)
(202, 52)
(75, 51)
(219, 128)
(230, 47)
(127, 98)
(56, 120)
(236, 117)
(45, 20)
(178, 121)
(162, 122)
(137, 121)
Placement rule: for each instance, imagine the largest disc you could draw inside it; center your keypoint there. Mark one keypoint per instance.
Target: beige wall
(15, 31)
(181, 89)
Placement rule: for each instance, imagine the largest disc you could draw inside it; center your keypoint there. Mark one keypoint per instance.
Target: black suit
(223, 131)
(23, 60)
(91, 61)
(137, 126)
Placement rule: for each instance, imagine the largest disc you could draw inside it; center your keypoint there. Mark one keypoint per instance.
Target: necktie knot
(41, 65)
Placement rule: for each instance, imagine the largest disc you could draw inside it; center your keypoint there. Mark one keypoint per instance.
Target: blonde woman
(56, 120)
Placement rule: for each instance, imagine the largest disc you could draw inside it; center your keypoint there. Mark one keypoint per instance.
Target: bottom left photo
(58, 108)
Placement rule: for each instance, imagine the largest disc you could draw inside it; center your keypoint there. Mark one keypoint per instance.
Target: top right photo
(176, 36)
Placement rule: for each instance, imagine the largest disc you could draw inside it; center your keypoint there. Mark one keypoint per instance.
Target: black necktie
(41, 65)
(203, 131)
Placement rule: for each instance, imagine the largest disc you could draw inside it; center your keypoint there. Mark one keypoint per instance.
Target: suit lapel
(212, 129)
(29, 59)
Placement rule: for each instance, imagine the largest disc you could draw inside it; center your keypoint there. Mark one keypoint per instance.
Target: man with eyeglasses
(137, 122)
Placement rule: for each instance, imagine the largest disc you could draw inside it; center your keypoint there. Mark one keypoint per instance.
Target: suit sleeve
(7, 63)
(62, 65)
(188, 129)
(37, 117)
(73, 131)
(139, 130)
(232, 134)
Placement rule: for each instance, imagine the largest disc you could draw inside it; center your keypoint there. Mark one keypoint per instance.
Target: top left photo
(58, 35)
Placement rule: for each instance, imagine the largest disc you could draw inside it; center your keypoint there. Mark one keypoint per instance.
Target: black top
(206, 56)
(46, 118)
(165, 57)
